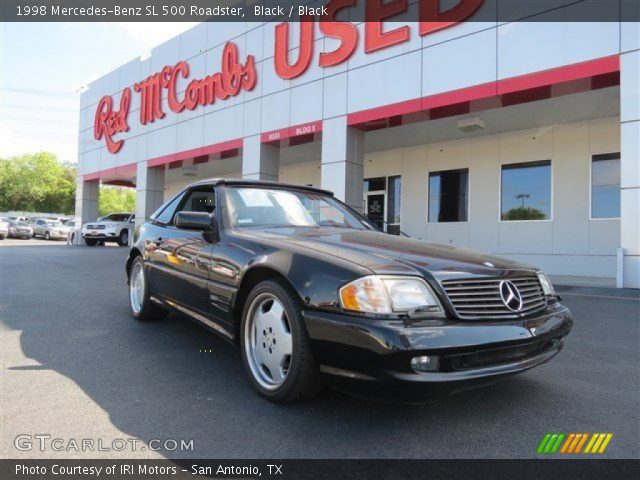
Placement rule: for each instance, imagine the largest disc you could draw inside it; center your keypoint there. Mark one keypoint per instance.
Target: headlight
(381, 294)
(547, 287)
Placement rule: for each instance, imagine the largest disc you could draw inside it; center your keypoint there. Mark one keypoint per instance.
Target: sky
(43, 66)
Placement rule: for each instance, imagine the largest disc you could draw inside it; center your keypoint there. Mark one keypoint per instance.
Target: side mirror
(194, 220)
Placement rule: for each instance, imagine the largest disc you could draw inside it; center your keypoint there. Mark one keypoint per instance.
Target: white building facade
(519, 139)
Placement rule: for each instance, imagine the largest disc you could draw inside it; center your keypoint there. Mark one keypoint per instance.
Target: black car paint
(207, 274)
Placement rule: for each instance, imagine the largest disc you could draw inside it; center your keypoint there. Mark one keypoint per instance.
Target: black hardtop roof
(257, 183)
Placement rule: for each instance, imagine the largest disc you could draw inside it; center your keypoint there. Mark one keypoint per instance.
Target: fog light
(425, 363)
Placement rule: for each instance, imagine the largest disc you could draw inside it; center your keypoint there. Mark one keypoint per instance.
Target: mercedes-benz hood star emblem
(510, 296)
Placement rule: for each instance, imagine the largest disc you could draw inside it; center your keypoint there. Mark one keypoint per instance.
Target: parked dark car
(313, 293)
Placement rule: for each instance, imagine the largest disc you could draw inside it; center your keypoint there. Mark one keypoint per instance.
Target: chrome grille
(480, 297)
(95, 227)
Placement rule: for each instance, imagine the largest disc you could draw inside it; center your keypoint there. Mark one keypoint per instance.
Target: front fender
(316, 278)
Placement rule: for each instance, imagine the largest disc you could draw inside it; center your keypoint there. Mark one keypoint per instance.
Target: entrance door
(374, 205)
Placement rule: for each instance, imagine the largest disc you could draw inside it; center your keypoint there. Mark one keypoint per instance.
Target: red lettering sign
(346, 32)
(108, 121)
(233, 78)
(281, 55)
(432, 19)
(376, 11)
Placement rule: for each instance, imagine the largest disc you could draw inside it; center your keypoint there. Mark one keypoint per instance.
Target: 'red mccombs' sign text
(236, 76)
(233, 78)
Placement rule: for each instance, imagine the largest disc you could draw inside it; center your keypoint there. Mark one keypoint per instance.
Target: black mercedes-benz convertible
(315, 294)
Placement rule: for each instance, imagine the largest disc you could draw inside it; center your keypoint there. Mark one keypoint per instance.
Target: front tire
(276, 350)
(123, 238)
(47, 236)
(91, 242)
(139, 297)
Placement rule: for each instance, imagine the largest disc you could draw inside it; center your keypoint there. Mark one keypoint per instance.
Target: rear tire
(273, 333)
(123, 238)
(142, 308)
(90, 242)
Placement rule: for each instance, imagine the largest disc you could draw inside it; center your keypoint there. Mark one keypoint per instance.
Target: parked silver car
(50, 229)
(19, 229)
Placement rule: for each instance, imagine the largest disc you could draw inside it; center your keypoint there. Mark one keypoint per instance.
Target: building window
(526, 191)
(448, 196)
(393, 204)
(605, 186)
(375, 184)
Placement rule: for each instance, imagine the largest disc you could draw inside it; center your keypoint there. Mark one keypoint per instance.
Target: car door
(38, 227)
(178, 258)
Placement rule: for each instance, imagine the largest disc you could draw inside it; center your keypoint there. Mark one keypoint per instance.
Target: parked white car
(73, 225)
(50, 229)
(4, 228)
(116, 227)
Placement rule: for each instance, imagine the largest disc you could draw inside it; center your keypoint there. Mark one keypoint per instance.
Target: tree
(116, 199)
(37, 183)
(524, 213)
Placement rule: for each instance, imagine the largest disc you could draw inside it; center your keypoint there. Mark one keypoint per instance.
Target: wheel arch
(250, 279)
(133, 253)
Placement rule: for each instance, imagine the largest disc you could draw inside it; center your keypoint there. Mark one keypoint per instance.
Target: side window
(199, 200)
(165, 213)
(526, 191)
(605, 186)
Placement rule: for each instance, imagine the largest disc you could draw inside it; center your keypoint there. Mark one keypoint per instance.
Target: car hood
(389, 254)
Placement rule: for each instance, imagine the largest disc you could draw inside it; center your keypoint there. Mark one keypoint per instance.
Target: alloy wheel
(136, 287)
(268, 341)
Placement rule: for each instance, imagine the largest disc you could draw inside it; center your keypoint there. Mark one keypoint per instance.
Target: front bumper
(101, 236)
(20, 234)
(373, 357)
(58, 235)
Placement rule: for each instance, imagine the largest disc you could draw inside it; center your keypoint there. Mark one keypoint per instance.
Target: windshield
(260, 207)
(115, 217)
(53, 223)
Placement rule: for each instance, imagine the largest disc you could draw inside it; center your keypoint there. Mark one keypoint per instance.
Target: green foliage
(40, 183)
(524, 213)
(116, 199)
(37, 183)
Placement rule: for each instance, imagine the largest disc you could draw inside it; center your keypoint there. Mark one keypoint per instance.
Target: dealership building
(520, 139)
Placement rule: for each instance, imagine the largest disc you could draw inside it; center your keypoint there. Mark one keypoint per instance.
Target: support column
(342, 169)
(149, 191)
(259, 161)
(87, 196)
(630, 167)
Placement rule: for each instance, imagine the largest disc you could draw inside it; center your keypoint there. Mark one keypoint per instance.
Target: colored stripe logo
(573, 443)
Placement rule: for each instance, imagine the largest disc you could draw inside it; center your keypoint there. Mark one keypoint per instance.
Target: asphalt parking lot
(75, 365)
